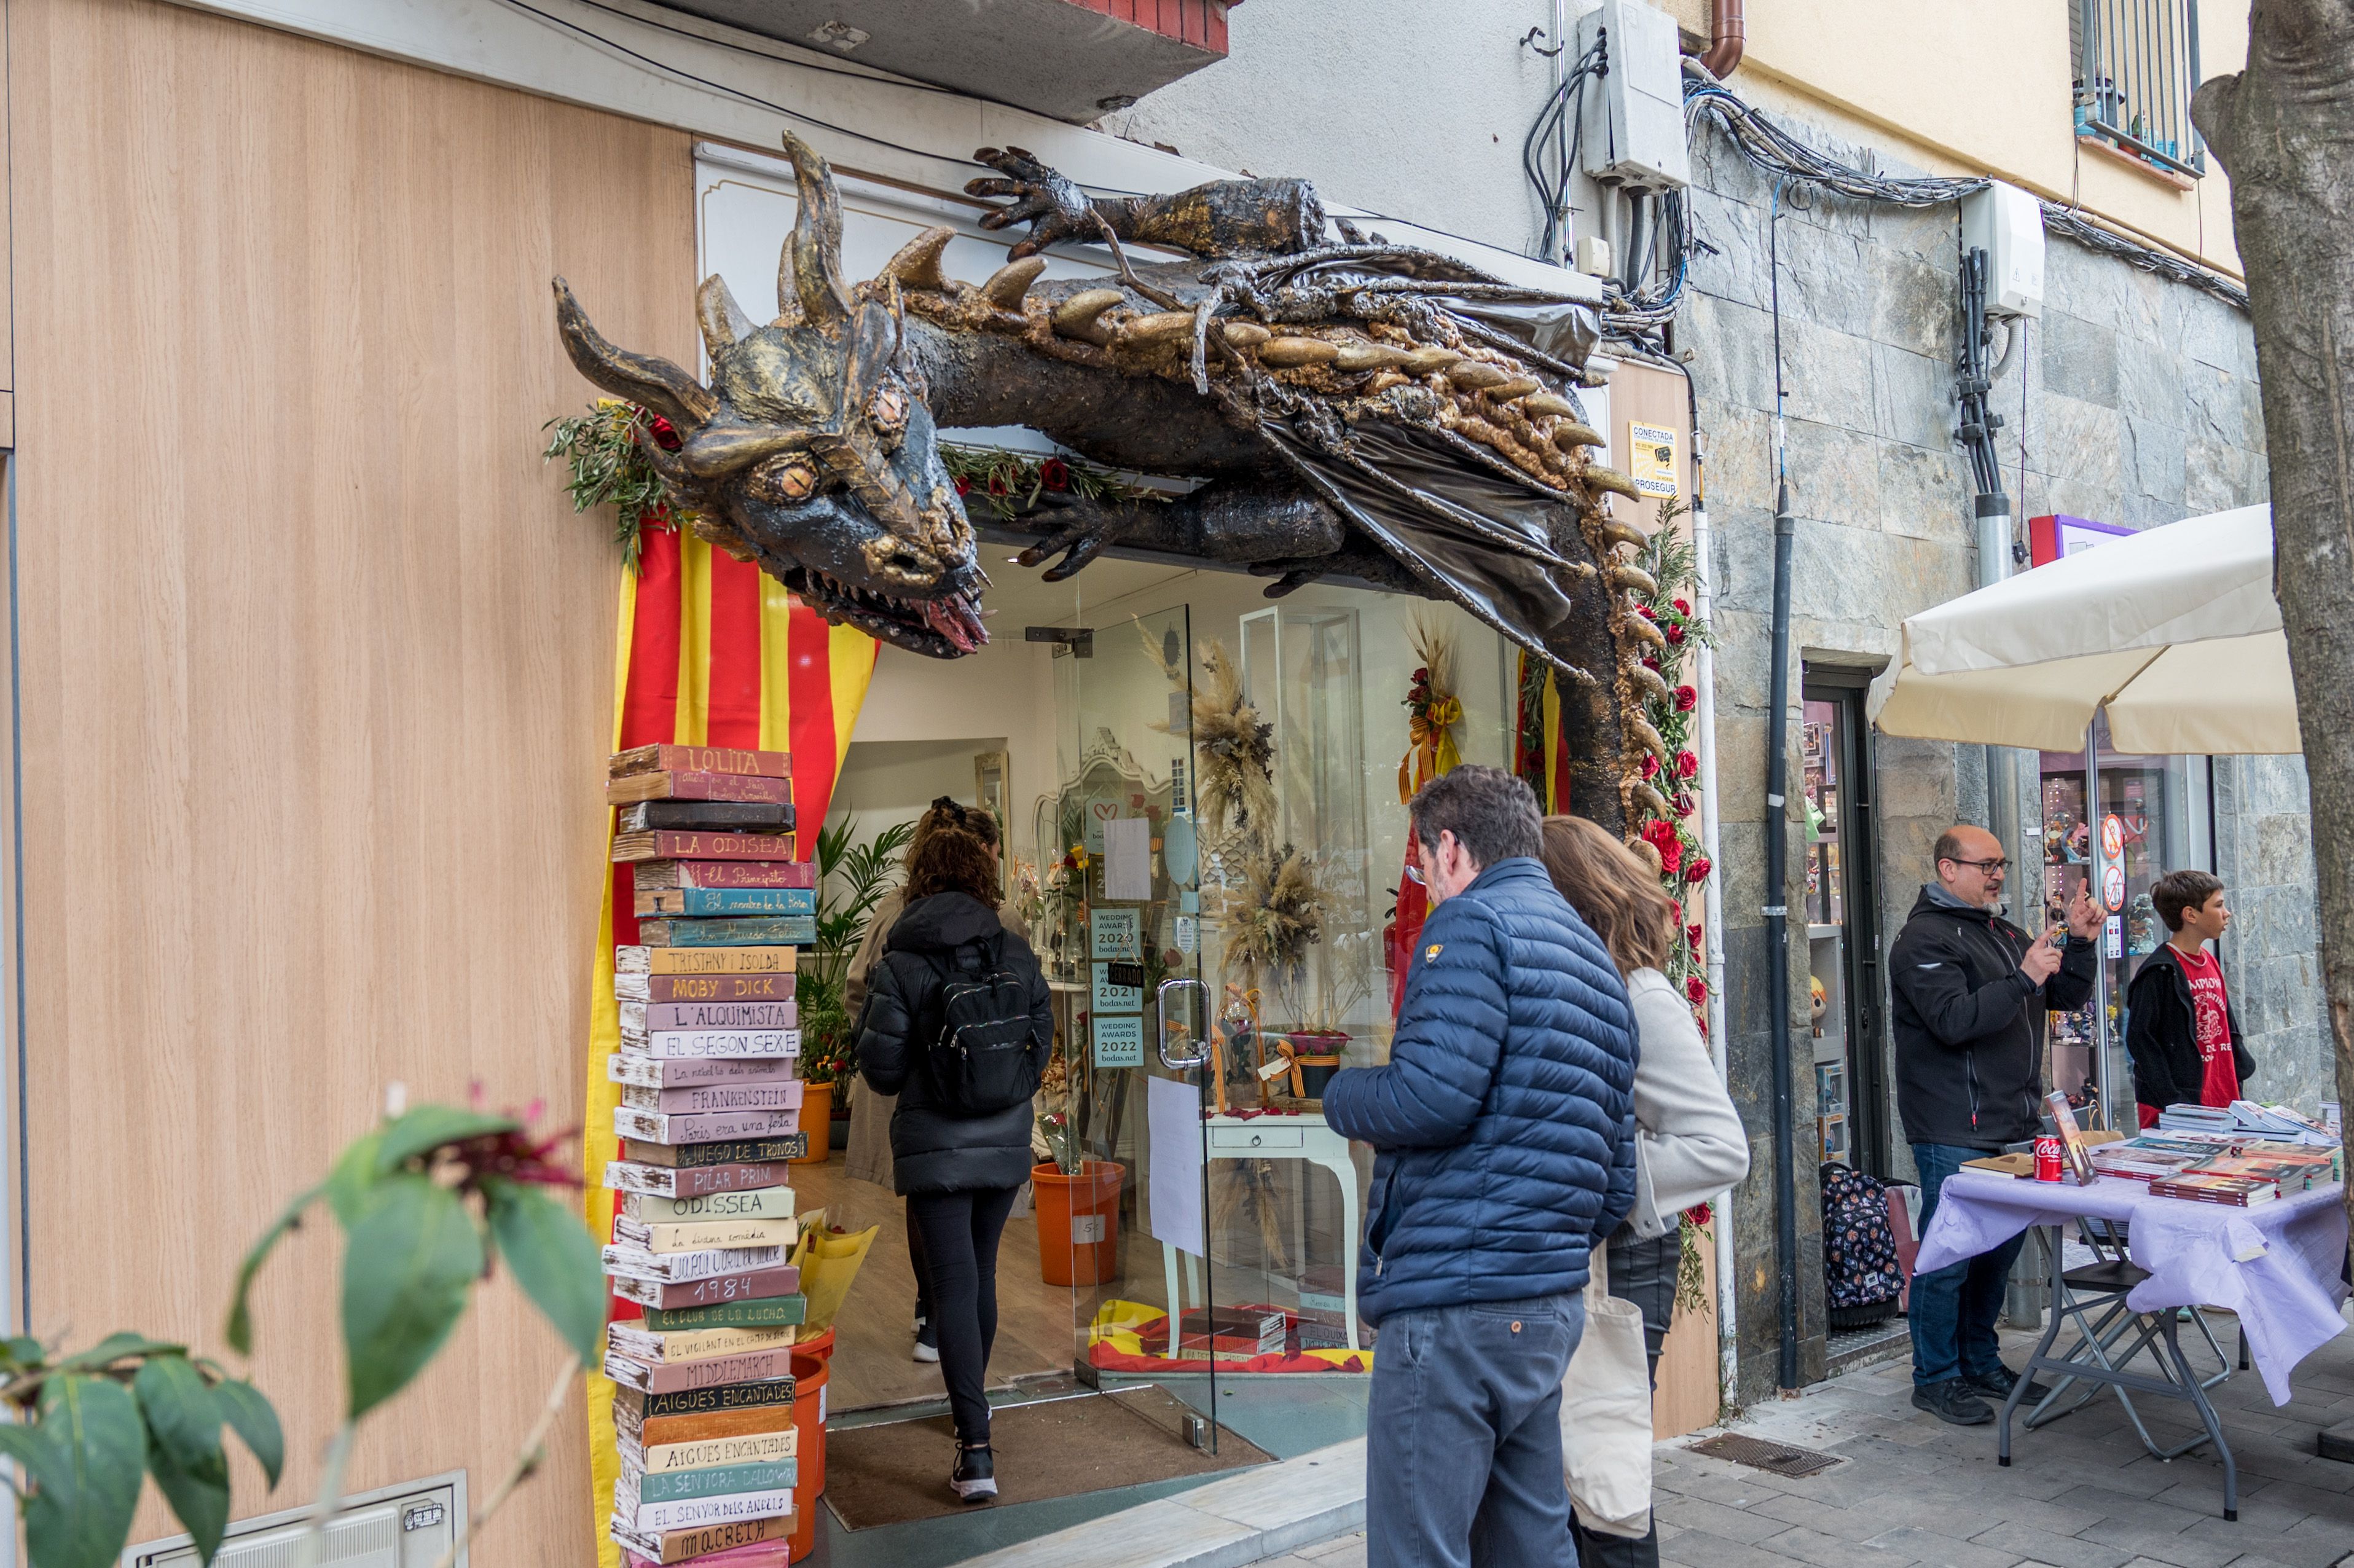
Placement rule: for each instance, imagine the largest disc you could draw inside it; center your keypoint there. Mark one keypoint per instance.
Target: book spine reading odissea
(704, 1221)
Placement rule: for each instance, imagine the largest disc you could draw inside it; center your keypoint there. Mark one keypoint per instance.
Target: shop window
(1842, 929)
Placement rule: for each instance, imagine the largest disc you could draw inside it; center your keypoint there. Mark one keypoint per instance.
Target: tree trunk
(2283, 129)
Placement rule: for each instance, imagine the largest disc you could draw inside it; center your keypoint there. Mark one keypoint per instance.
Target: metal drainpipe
(1728, 35)
(1777, 943)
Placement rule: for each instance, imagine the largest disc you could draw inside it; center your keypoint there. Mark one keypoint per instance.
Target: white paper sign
(1174, 1112)
(1127, 859)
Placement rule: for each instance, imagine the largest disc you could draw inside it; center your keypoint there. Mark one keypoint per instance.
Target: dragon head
(812, 451)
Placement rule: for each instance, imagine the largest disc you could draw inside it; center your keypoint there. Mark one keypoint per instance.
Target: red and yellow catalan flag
(709, 652)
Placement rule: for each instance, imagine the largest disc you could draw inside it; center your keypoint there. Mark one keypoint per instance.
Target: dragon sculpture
(1342, 406)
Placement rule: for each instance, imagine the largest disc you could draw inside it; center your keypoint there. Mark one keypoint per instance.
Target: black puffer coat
(934, 1148)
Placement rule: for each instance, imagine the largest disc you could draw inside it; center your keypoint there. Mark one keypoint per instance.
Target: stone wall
(2137, 402)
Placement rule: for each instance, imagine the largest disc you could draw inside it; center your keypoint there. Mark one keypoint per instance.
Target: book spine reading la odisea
(705, 1224)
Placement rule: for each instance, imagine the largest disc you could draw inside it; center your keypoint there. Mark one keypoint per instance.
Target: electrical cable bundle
(1560, 128)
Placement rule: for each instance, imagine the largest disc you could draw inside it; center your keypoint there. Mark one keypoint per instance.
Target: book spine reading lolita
(710, 1113)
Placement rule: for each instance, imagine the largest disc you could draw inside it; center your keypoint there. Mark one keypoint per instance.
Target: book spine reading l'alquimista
(704, 1220)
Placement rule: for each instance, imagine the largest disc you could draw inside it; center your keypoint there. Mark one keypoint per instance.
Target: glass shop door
(1842, 931)
(1125, 959)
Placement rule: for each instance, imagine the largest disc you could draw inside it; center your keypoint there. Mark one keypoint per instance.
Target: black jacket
(1969, 1025)
(2162, 1033)
(934, 1148)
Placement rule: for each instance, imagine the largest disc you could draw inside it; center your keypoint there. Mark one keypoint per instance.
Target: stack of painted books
(710, 1113)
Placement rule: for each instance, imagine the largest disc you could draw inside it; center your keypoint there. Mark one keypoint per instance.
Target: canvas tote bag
(1605, 1413)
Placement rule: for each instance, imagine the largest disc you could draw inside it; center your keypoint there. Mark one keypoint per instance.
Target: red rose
(1644, 611)
(1698, 870)
(1651, 662)
(1687, 699)
(665, 433)
(1687, 764)
(1053, 475)
(1675, 631)
(1650, 766)
(1662, 836)
(964, 485)
(1700, 1215)
(1696, 988)
(1681, 608)
(998, 485)
(1420, 675)
(1696, 935)
(1676, 910)
(1685, 803)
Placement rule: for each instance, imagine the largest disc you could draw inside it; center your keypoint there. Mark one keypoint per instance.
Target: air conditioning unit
(1634, 121)
(407, 1526)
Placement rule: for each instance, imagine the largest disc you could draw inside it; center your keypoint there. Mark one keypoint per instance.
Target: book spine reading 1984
(739, 931)
(692, 1183)
(692, 785)
(700, 760)
(777, 958)
(781, 1280)
(663, 990)
(663, 875)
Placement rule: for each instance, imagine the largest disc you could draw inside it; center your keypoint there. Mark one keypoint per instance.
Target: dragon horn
(809, 272)
(642, 379)
(722, 321)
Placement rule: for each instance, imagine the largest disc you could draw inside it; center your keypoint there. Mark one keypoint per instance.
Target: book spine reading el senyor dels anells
(703, 1219)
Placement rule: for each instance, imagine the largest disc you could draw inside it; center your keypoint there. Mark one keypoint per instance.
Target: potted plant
(1078, 1208)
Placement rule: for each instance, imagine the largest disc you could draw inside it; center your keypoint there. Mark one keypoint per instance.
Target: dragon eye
(782, 479)
(887, 413)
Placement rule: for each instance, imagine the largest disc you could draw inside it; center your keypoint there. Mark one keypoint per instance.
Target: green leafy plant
(604, 449)
(1012, 484)
(851, 879)
(91, 1425)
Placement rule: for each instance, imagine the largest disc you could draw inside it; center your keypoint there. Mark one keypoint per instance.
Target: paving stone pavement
(2080, 1493)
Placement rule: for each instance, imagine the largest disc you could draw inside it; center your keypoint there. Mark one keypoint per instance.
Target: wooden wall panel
(317, 667)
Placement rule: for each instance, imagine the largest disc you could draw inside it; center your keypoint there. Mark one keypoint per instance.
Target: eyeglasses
(1992, 867)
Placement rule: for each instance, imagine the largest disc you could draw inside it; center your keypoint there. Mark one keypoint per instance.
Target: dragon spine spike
(809, 273)
(1247, 334)
(1369, 356)
(1009, 282)
(722, 321)
(1642, 630)
(1290, 353)
(917, 264)
(1610, 479)
(1640, 729)
(640, 377)
(1635, 580)
(1544, 404)
(1516, 387)
(1472, 374)
(1079, 316)
(1617, 531)
(1649, 682)
(1571, 437)
(1423, 360)
(1651, 799)
(1166, 326)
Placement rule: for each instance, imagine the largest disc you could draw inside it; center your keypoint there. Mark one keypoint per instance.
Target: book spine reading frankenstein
(697, 786)
(744, 1151)
(663, 843)
(644, 1016)
(658, 1073)
(695, 1098)
(700, 760)
(690, 1183)
(742, 931)
(710, 901)
(657, 990)
(660, 875)
(781, 1280)
(661, 959)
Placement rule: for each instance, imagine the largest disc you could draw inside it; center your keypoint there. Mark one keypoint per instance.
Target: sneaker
(974, 1479)
(1952, 1401)
(928, 1341)
(1998, 1385)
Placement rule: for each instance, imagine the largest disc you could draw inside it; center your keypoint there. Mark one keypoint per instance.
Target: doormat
(891, 1474)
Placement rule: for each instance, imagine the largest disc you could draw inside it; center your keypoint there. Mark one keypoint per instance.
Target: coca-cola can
(2048, 1163)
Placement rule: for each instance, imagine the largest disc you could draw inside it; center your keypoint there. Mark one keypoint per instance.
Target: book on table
(2239, 1191)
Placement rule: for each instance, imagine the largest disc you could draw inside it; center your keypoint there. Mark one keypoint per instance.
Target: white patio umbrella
(2174, 629)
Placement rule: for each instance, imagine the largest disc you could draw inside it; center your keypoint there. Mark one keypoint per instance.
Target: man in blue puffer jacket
(1504, 1131)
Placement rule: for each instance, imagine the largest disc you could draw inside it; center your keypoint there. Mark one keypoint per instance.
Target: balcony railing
(2136, 66)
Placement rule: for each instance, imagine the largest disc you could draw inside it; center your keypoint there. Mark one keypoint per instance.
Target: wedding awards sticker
(1119, 1042)
(1114, 933)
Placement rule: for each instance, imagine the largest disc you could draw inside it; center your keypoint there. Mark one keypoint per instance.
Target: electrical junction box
(2007, 223)
(1634, 121)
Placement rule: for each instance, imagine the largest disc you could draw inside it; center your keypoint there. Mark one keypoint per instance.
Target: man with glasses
(1969, 991)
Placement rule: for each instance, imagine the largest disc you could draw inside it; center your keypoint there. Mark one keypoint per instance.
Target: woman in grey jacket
(1689, 1145)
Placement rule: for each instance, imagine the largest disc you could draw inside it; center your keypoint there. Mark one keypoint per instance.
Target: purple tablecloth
(2275, 1265)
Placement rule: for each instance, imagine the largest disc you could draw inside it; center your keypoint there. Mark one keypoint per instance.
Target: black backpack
(982, 1058)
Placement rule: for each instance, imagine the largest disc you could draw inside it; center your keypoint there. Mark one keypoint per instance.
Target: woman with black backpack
(958, 1024)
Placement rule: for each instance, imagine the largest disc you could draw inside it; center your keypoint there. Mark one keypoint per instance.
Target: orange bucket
(809, 1370)
(1078, 1222)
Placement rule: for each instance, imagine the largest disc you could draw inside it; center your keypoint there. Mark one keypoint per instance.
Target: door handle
(1161, 1022)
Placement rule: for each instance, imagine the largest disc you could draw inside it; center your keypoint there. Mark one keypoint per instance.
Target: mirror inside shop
(1199, 793)
(2147, 816)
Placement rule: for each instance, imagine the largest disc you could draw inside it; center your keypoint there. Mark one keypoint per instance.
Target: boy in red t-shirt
(2180, 1030)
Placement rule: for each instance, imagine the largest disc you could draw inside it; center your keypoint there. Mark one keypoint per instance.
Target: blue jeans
(1463, 1438)
(1953, 1310)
